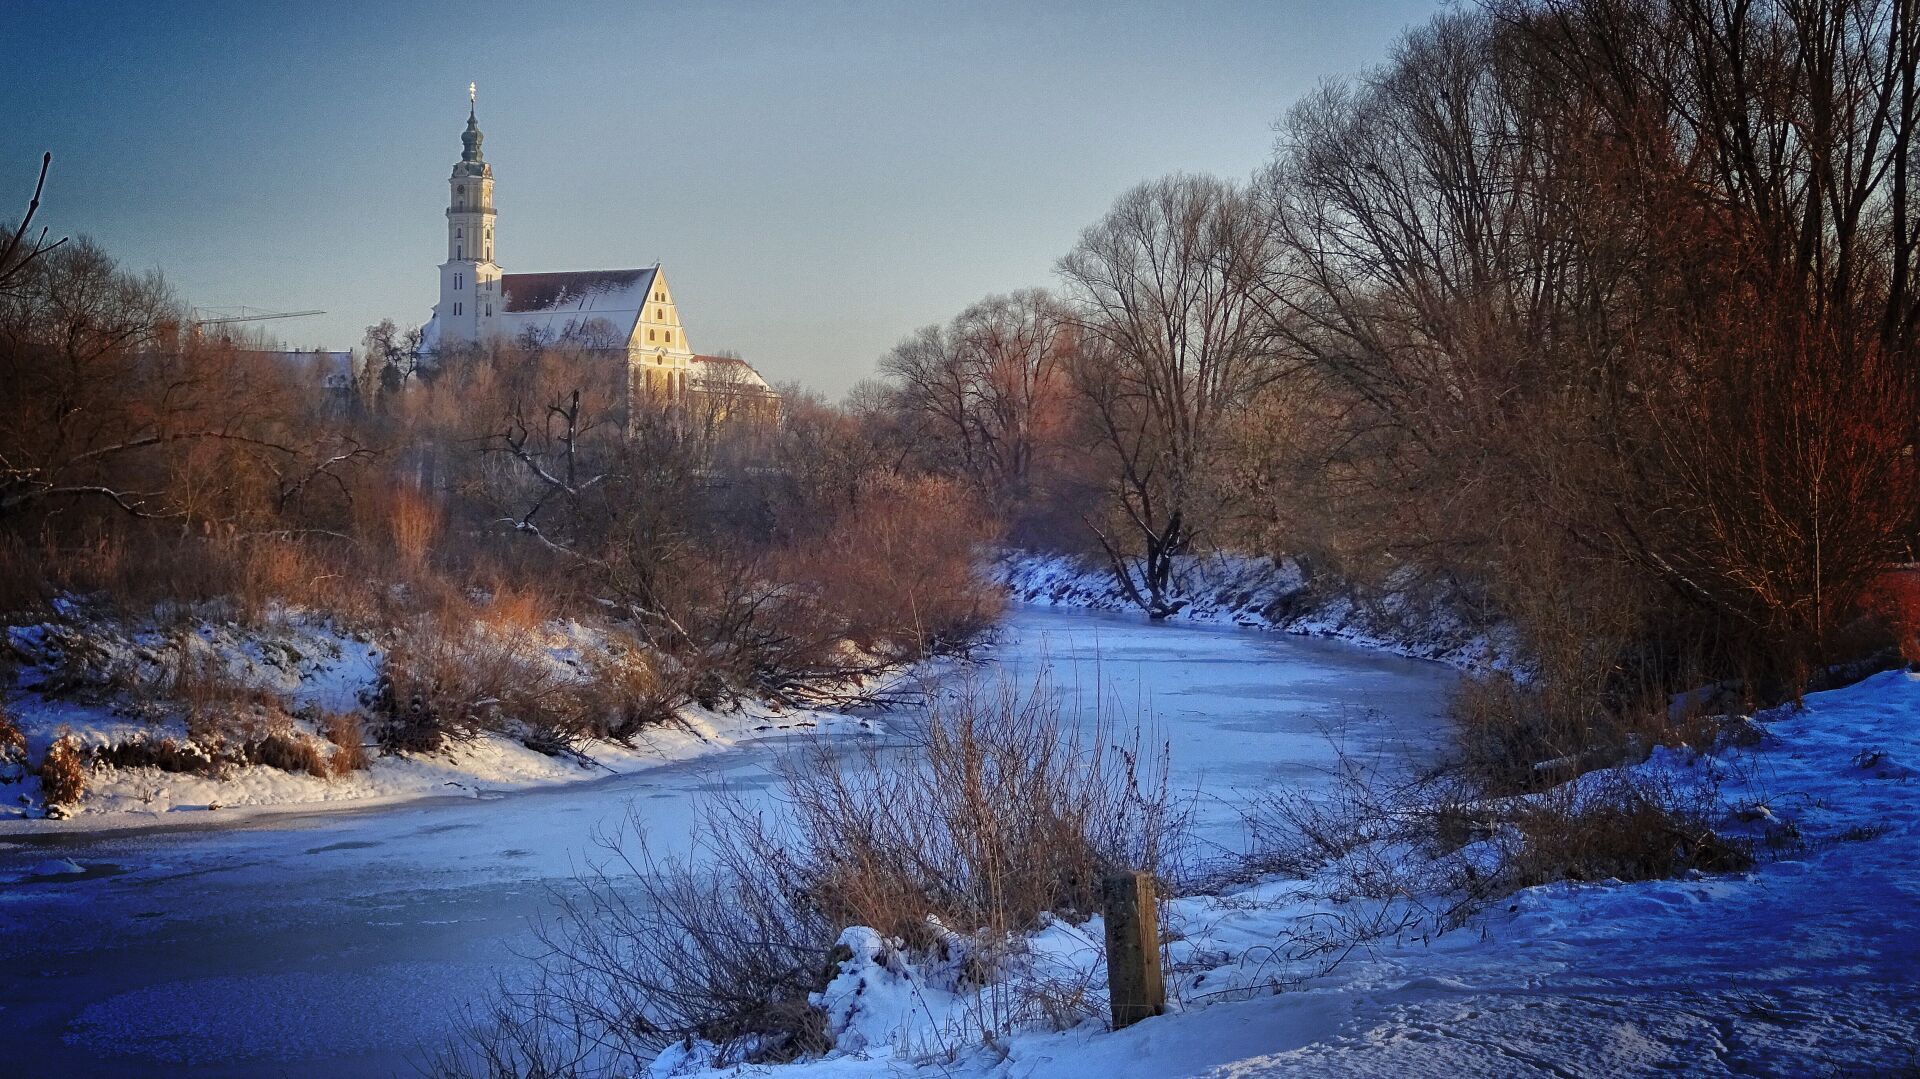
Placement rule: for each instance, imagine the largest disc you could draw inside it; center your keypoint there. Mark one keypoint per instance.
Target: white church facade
(626, 313)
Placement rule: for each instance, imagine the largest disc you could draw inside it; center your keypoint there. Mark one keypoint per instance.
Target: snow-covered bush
(1618, 825)
(1380, 853)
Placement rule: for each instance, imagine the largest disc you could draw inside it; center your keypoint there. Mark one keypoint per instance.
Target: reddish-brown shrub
(416, 522)
(63, 772)
(348, 736)
(900, 569)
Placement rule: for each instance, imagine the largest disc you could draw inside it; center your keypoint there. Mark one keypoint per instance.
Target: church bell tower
(469, 279)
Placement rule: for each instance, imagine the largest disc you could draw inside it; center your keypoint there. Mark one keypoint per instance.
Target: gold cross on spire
(473, 93)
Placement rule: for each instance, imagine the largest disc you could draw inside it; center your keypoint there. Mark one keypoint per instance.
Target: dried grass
(348, 735)
(416, 521)
(452, 681)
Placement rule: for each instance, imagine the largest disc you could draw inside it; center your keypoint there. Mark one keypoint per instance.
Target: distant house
(630, 313)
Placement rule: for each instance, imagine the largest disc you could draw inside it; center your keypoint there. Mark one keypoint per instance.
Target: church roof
(566, 303)
(578, 290)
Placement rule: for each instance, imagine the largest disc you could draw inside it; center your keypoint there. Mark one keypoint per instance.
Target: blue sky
(817, 178)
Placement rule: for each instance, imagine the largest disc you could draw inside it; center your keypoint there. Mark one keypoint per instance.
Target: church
(626, 312)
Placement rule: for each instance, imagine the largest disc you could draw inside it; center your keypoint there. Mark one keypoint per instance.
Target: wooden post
(1133, 948)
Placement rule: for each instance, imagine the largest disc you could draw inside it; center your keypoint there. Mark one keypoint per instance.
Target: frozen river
(341, 942)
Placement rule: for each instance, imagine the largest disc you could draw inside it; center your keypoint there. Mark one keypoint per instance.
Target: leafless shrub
(1008, 811)
(218, 704)
(1616, 825)
(63, 772)
(1003, 811)
(451, 681)
(624, 694)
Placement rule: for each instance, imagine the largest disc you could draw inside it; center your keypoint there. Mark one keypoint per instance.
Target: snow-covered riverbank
(89, 681)
(1259, 593)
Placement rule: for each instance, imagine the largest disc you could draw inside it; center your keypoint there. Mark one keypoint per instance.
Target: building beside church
(628, 314)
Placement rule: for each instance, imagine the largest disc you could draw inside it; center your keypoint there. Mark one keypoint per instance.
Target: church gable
(658, 328)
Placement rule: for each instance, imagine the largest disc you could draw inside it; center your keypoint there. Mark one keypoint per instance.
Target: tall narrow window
(456, 309)
(459, 252)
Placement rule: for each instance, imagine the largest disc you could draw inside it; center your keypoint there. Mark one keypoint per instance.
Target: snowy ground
(68, 674)
(1809, 964)
(339, 942)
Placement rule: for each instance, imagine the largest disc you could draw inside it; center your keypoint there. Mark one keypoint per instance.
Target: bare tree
(18, 252)
(987, 392)
(1174, 340)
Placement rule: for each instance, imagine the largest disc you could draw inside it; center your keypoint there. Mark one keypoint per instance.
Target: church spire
(469, 279)
(472, 136)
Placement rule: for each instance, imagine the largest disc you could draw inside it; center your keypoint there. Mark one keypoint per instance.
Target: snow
(349, 935)
(1806, 964)
(1224, 588)
(74, 673)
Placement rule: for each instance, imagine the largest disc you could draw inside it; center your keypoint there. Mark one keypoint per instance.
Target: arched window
(458, 251)
(457, 233)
